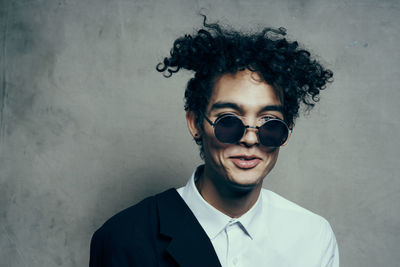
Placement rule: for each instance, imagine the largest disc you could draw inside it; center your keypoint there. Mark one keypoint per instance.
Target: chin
(240, 188)
(248, 176)
(245, 183)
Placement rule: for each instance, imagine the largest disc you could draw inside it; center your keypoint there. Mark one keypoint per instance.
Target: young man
(241, 105)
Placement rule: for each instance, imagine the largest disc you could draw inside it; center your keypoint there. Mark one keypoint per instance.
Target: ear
(194, 129)
(290, 134)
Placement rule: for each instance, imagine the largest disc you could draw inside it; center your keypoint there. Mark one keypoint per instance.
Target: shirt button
(235, 261)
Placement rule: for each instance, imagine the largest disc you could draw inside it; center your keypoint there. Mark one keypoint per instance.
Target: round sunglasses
(229, 129)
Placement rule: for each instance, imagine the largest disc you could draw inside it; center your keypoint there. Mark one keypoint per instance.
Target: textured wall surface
(88, 127)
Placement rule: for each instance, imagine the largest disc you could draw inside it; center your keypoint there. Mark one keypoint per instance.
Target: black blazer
(159, 231)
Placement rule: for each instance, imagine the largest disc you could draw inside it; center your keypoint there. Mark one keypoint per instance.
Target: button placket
(233, 234)
(235, 261)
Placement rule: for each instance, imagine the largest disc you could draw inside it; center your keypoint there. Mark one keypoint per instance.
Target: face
(242, 165)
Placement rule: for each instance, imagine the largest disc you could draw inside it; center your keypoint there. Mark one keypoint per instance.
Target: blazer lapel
(190, 245)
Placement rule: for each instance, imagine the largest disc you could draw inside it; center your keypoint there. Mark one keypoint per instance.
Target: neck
(231, 200)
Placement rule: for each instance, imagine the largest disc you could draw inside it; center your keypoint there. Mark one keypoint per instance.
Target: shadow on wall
(125, 190)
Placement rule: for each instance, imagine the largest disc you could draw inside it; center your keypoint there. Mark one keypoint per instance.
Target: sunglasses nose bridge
(250, 137)
(251, 127)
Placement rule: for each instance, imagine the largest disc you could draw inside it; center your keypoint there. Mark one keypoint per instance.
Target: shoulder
(125, 225)
(130, 236)
(137, 222)
(294, 219)
(291, 226)
(280, 204)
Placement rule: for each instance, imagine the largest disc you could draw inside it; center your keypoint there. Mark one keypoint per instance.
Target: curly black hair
(213, 51)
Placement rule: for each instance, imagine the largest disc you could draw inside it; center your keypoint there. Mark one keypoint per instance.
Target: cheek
(272, 156)
(270, 150)
(214, 149)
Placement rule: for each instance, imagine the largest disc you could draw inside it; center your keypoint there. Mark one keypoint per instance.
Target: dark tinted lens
(229, 129)
(273, 133)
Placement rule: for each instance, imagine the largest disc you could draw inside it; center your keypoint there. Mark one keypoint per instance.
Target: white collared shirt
(274, 232)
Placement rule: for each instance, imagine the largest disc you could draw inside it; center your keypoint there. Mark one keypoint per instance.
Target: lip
(245, 161)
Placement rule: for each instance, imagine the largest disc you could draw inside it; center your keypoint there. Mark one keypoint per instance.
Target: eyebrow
(221, 105)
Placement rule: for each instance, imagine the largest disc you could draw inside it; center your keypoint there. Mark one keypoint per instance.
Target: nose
(250, 137)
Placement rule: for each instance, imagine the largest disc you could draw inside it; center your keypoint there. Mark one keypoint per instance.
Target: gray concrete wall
(88, 127)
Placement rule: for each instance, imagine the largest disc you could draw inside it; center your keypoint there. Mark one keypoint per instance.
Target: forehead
(244, 88)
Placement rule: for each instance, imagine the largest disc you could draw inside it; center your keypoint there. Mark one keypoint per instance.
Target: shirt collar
(249, 219)
(212, 220)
